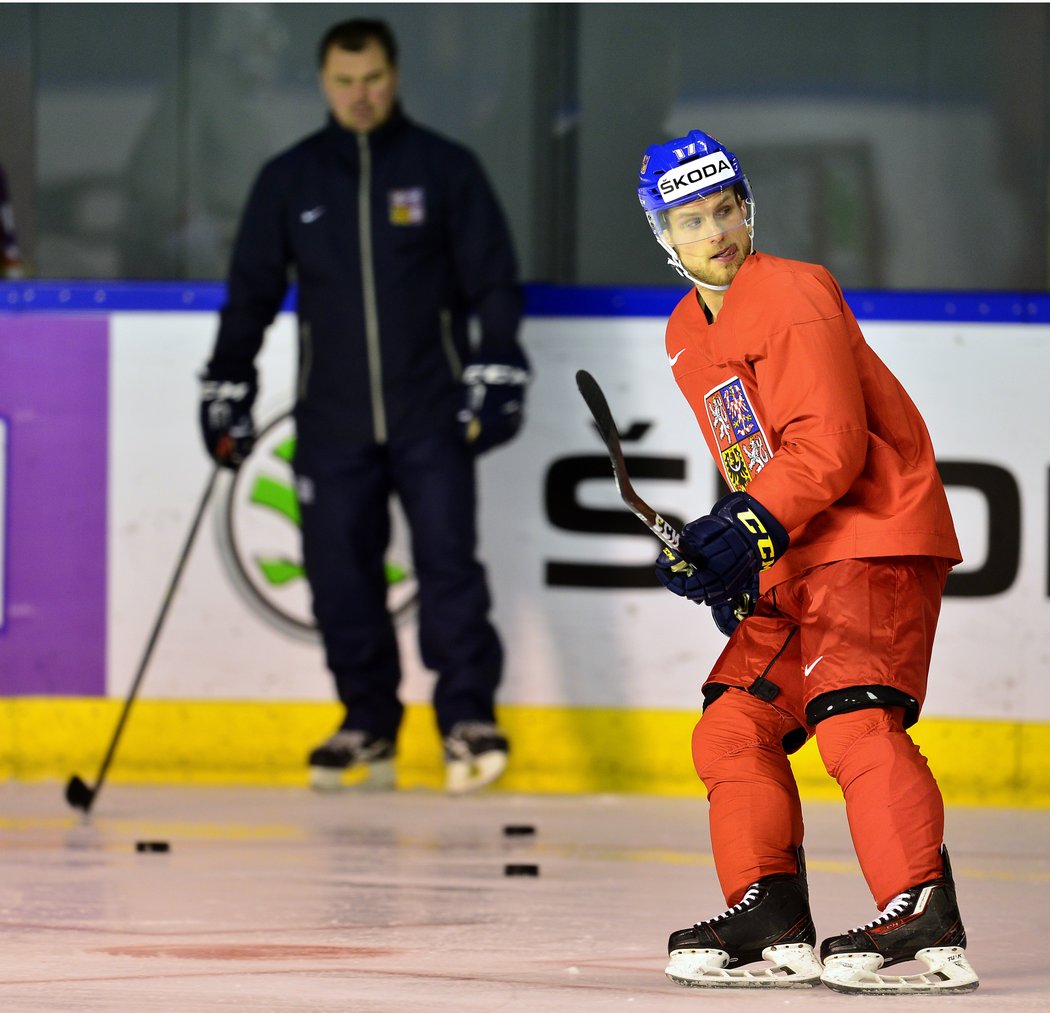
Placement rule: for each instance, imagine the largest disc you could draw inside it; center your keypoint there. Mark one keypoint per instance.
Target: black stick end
(78, 794)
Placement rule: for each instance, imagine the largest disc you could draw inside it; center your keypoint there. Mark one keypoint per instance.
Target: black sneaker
(923, 924)
(772, 922)
(475, 755)
(367, 757)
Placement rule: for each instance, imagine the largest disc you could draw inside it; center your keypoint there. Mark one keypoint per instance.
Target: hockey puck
(518, 830)
(521, 870)
(152, 846)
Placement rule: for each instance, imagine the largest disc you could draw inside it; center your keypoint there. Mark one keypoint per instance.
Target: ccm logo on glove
(764, 546)
(728, 547)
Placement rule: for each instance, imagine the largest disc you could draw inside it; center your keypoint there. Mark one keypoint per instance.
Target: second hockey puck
(152, 846)
(519, 830)
(521, 869)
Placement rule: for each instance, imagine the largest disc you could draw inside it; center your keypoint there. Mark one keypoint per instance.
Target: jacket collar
(346, 141)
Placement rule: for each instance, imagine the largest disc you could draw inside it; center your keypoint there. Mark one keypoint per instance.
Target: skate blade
(948, 970)
(376, 776)
(794, 966)
(462, 776)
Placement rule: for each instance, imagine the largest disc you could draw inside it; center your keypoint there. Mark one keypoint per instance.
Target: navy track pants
(344, 500)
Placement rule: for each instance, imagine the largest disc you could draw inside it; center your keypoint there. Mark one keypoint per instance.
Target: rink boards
(102, 470)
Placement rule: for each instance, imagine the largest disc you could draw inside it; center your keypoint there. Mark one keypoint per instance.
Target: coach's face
(360, 87)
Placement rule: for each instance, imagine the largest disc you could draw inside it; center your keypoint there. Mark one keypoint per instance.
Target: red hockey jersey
(798, 410)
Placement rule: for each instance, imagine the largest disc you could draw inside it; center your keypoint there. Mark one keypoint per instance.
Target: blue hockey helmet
(685, 170)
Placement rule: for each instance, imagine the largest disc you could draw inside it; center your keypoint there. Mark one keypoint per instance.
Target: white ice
(280, 899)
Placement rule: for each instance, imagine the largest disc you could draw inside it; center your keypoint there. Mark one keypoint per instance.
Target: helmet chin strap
(704, 284)
(680, 268)
(677, 264)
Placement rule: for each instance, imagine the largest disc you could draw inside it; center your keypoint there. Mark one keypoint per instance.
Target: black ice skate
(475, 755)
(921, 924)
(352, 759)
(772, 922)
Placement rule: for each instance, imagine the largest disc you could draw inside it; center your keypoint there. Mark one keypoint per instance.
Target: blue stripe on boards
(541, 300)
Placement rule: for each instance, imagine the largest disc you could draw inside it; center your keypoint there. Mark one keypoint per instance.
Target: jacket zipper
(449, 345)
(368, 286)
(306, 361)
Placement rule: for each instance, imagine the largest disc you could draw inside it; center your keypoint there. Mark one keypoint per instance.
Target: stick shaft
(158, 624)
(602, 415)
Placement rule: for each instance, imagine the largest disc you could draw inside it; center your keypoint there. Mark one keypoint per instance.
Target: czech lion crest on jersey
(742, 445)
(407, 206)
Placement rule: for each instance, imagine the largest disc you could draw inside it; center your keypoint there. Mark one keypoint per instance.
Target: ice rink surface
(281, 899)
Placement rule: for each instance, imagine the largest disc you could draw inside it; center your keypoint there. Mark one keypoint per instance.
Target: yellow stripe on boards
(553, 749)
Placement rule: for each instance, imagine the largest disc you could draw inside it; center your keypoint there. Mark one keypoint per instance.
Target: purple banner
(53, 428)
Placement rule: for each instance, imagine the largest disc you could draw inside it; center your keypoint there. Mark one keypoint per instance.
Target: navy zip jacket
(394, 239)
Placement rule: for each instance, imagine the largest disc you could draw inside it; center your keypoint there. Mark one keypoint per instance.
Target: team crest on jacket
(407, 207)
(742, 445)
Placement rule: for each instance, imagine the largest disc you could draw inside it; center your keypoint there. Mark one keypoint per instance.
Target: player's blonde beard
(744, 249)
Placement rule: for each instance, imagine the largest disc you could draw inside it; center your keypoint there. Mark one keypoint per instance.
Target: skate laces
(357, 745)
(473, 730)
(349, 740)
(896, 907)
(749, 897)
(470, 738)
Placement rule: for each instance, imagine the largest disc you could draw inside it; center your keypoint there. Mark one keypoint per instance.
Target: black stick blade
(602, 415)
(78, 794)
(599, 407)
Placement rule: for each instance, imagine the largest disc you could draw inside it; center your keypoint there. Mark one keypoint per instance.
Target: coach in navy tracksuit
(394, 238)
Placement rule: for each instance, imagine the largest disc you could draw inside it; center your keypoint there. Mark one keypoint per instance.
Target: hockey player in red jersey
(825, 567)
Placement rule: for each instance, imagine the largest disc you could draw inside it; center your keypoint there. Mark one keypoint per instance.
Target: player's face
(710, 236)
(361, 87)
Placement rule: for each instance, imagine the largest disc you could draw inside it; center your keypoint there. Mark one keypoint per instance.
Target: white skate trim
(856, 973)
(375, 775)
(794, 966)
(463, 775)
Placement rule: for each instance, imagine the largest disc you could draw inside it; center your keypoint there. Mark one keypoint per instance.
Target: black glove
(728, 615)
(493, 401)
(726, 550)
(226, 418)
(682, 577)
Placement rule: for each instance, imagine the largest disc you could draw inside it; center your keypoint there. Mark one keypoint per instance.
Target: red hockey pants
(893, 804)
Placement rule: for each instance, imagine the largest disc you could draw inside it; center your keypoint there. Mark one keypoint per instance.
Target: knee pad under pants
(756, 815)
(893, 804)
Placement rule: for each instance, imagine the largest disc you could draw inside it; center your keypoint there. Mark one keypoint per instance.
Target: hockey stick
(78, 794)
(603, 419)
